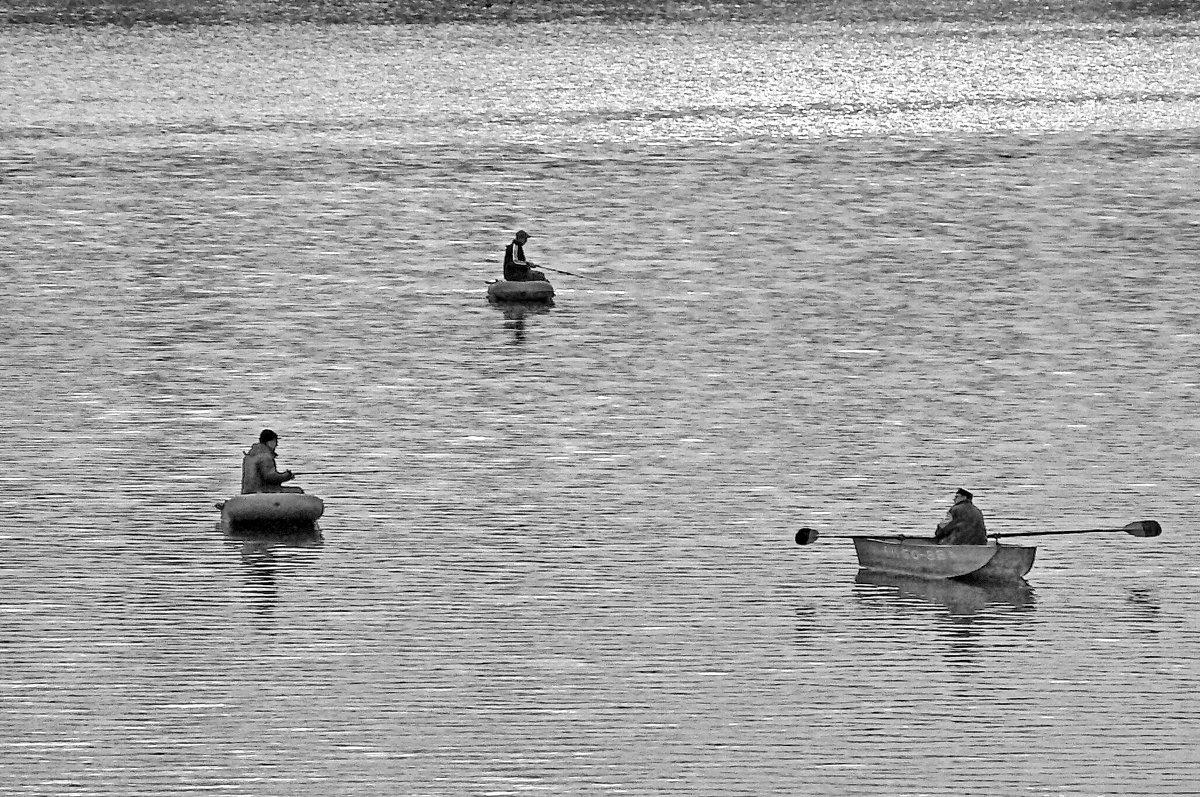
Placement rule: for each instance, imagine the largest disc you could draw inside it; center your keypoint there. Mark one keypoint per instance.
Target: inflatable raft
(271, 511)
(527, 291)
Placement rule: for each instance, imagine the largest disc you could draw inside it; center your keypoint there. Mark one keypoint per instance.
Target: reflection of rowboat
(915, 556)
(526, 291)
(960, 597)
(271, 512)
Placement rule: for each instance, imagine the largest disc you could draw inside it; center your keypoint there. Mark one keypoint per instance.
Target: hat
(266, 436)
(964, 493)
(522, 234)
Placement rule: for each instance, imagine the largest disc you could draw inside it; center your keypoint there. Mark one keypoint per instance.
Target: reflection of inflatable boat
(915, 556)
(260, 541)
(526, 291)
(271, 512)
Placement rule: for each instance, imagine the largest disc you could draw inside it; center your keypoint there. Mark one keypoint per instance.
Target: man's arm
(266, 470)
(946, 527)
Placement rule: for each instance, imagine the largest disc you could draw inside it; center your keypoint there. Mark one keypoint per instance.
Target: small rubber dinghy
(271, 512)
(525, 291)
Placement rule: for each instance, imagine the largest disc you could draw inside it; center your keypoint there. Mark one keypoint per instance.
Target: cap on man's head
(964, 493)
(522, 234)
(266, 436)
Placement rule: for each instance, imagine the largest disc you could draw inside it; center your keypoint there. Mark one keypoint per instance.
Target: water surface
(830, 274)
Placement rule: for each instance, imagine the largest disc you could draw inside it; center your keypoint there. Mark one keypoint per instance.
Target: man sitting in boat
(516, 267)
(963, 524)
(258, 468)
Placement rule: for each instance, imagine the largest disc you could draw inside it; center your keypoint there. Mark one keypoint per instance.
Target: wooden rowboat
(526, 291)
(271, 511)
(921, 557)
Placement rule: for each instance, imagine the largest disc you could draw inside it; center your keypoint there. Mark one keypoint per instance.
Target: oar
(1139, 528)
(806, 535)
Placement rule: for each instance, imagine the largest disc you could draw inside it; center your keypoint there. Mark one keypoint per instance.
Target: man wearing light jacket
(258, 468)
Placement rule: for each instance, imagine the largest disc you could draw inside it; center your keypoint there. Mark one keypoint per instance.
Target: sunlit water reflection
(827, 276)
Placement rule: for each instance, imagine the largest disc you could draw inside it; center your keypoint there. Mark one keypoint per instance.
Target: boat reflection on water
(261, 540)
(258, 539)
(271, 553)
(959, 597)
(516, 312)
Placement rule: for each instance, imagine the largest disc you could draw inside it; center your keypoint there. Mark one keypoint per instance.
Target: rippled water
(828, 275)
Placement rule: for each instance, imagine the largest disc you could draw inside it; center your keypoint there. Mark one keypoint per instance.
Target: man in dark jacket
(258, 468)
(516, 267)
(963, 524)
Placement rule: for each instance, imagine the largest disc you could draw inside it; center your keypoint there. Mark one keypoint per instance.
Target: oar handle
(806, 535)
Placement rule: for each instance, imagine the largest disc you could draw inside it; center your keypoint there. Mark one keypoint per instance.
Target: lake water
(827, 275)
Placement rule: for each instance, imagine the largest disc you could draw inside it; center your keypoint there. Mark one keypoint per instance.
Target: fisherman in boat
(963, 524)
(258, 468)
(516, 267)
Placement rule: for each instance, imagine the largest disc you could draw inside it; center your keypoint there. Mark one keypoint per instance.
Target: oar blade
(806, 535)
(1144, 528)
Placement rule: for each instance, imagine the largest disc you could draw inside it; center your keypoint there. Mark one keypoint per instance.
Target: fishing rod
(568, 273)
(563, 271)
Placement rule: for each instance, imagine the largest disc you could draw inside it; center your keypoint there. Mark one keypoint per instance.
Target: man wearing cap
(516, 267)
(258, 468)
(963, 524)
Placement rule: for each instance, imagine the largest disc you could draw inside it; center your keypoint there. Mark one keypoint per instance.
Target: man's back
(965, 526)
(253, 468)
(515, 267)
